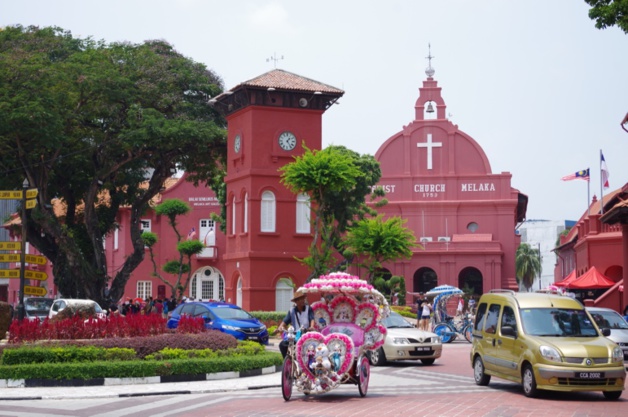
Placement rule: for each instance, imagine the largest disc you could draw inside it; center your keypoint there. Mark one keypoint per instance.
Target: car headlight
(436, 339)
(551, 354)
(227, 327)
(261, 329)
(401, 341)
(618, 354)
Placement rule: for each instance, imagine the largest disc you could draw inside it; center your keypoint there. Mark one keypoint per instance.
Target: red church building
(439, 179)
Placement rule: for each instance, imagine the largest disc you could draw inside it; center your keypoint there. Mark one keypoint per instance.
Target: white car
(89, 307)
(608, 318)
(406, 342)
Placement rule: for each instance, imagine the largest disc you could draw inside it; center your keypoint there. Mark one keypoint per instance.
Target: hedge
(139, 368)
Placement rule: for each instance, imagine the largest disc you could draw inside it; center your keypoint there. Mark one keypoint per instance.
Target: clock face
(237, 143)
(287, 141)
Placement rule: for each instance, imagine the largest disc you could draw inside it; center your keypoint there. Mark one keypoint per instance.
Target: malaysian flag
(580, 175)
(192, 234)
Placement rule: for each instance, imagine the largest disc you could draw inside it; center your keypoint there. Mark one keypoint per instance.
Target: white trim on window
(233, 216)
(245, 220)
(144, 289)
(303, 213)
(268, 212)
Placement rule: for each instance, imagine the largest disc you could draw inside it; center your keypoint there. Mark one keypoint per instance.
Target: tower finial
(429, 71)
(274, 58)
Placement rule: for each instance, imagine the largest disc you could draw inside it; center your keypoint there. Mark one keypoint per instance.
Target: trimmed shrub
(138, 369)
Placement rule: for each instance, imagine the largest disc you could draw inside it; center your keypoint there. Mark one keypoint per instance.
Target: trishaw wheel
(287, 378)
(364, 373)
(445, 333)
(468, 333)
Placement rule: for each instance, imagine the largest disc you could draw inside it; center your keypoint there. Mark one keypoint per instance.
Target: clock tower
(270, 118)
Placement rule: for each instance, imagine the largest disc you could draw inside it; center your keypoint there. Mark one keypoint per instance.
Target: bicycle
(449, 329)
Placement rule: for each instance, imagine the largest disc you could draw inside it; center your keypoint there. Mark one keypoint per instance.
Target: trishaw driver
(301, 315)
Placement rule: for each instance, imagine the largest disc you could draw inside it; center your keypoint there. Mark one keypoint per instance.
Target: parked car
(544, 342)
(37, 308)
(88, 308)
(607, 318)
(406, 342)
(228, 318)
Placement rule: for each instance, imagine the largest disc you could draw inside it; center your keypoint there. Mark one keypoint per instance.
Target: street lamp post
(20, 306)
(540, 265)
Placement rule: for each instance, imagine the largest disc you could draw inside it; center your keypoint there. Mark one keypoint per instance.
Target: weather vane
(274, 59)
(429, 71)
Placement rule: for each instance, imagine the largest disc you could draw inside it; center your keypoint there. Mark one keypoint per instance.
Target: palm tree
(527, 264)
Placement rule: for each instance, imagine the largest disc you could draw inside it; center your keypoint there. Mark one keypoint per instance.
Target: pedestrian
(471, 306)
(114, 311)
(300, 316)
(460, 308)
(419, 309)
(426, 311)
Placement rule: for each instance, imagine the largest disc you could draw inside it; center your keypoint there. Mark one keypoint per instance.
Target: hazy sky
(533, 82)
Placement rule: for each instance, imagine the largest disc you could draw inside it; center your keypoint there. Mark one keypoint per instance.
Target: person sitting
(300, 316)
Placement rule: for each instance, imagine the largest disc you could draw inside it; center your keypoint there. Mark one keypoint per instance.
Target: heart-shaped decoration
(323, 356)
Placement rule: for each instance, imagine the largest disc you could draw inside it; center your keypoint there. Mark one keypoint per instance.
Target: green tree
(337, 181)
(607, 13)
(181, 268)
(375, 241)
(99, 127)
(527, 265)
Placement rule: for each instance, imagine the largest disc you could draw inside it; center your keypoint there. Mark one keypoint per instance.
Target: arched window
(245, 220)
(283, 294)
(238, 292)
(268, 212)
(303, 213)
(233, 216)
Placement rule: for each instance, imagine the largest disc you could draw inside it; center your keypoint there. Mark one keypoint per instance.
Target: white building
(543, 235)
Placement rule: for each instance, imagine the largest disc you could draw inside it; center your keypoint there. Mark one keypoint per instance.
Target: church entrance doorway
(470, 278)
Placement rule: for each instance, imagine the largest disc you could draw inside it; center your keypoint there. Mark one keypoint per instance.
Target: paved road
(408, 389)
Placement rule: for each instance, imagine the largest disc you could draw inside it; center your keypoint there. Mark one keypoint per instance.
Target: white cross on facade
(429, 145)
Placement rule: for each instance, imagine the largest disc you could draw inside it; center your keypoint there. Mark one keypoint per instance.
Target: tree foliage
(181, 268)
(337, 181)
(527, 264)
(607, 13)
(375, 241)
(98, 128)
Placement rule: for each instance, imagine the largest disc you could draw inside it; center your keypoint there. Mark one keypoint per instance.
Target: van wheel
(529, 382)
(612, 395)
(478, 372)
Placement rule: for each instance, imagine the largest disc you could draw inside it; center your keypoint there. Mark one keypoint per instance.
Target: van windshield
(557, 322)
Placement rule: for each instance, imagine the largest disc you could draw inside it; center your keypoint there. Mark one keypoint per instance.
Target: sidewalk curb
(31, 383)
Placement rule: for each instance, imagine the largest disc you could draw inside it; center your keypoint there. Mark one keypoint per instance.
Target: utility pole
(540, 266)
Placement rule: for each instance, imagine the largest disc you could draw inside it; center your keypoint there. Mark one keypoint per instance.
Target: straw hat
(298, 295)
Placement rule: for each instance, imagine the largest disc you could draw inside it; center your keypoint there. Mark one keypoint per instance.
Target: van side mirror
(606, 331)
(509, 331)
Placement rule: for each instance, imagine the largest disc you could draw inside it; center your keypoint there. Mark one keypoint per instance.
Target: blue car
(228, 318)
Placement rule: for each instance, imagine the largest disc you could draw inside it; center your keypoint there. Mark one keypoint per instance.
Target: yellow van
(544, 342)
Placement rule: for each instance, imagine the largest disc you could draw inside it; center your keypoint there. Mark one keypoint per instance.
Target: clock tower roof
(278, 88)
(280, 79)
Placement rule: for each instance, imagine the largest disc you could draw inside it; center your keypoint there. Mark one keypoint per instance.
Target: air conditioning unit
(444, 238)
(425, 239)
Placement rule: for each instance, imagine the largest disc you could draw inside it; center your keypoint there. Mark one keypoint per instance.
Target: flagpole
(589, 194)
(601, 186)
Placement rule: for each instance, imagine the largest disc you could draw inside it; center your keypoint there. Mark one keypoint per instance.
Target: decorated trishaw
(348, 324)
(444, 325)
